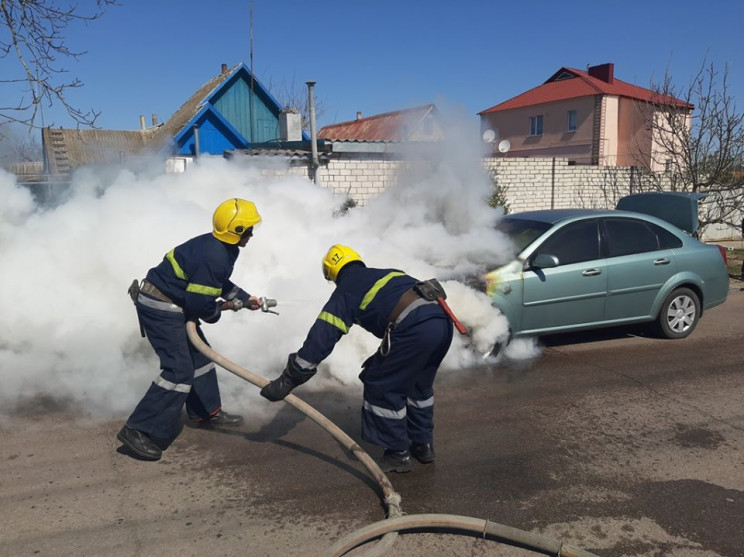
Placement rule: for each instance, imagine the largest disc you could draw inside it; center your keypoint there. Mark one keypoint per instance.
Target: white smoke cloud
(70, 330)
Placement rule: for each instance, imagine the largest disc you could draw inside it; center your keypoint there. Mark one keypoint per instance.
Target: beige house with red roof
(589, 117)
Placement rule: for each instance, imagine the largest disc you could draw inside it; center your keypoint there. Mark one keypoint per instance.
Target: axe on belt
(133, 291)
(433, 291)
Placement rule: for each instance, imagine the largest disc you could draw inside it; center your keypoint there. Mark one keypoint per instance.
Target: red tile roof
(390, 126)
(560, 87)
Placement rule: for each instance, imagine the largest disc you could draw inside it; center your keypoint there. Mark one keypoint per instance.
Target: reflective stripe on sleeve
(201, 289)
(304, 364)
(420, 403)
(384, 412)
(233, 292)
(168, 386)
(171, 256)
(372, 292)
(204, 369)
(333, 320)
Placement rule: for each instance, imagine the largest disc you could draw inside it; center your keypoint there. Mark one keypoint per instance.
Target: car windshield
(522, 232)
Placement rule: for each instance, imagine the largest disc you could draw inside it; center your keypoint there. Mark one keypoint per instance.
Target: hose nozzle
(267, 303)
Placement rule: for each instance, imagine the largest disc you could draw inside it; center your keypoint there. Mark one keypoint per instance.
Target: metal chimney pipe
(142, 122)
(313, 135)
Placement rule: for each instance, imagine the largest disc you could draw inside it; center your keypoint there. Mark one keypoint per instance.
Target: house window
(668, 166)
(572, 120)
(536, 125)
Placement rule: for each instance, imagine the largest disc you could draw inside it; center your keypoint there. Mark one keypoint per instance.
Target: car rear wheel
(679, 314)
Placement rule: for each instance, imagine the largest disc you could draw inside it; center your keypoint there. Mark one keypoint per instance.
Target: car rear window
(522, 232)
(628, 236)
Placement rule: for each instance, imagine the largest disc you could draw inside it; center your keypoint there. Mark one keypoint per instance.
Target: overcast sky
(148, 57)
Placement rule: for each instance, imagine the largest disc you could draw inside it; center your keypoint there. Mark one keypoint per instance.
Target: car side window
(574, 243)
(667, 240)
(628, 236)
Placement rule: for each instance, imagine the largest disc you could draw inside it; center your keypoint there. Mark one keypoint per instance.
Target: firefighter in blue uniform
(398, 407)
(191, 283)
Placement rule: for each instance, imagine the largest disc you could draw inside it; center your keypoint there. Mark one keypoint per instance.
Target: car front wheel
(679, 314)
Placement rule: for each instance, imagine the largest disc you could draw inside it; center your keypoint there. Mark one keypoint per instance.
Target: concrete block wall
(531, 183)
(361, 177)
(553, 183)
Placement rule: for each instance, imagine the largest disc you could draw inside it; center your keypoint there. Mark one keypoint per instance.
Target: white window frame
(572, 119)
(536, 125)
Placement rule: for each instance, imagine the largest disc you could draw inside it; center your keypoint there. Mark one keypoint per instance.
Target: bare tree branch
(294, 95)
(32, 41)
(702, 150)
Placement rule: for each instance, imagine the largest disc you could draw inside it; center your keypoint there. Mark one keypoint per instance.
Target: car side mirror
(544, 261)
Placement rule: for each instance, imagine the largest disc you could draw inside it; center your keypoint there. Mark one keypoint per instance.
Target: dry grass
(735, 258)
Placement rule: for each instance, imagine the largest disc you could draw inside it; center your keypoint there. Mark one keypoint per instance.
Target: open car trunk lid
(677, 208)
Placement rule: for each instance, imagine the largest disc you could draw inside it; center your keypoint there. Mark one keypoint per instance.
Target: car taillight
(723, 254)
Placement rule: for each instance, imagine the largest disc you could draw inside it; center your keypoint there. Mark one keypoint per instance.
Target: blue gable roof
(214, 133)
(232, 111)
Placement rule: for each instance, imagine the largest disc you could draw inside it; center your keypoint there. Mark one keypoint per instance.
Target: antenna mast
(253, 118)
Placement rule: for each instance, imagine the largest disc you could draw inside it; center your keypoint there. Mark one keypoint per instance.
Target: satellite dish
(504, 146)
(489, 136)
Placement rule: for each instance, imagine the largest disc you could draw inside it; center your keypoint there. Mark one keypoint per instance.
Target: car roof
(551, 216)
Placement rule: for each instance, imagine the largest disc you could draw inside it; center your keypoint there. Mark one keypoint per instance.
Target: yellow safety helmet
(336, 258)
(232, 218)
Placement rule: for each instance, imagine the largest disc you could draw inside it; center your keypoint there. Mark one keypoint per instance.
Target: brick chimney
(223, 69)
(605, 72)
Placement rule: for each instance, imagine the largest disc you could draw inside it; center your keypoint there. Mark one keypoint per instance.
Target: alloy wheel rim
(681, 314)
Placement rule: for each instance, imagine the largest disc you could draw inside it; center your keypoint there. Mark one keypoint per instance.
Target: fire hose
(387, 530)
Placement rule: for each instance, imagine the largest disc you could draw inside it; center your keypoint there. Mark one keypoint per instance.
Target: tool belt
(408, 297)
(152, 290)
(409, 301)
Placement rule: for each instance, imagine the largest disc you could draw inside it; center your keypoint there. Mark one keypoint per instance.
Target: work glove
(236, 304)
(291, 377)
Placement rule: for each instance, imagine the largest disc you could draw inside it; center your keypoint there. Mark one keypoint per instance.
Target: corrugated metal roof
(68, 149)
(400, 125)
(570, 83)
(292, 154)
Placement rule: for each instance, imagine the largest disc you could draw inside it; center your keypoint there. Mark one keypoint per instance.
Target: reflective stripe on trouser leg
(407, 372)
(159, 412)
(421, 419)
(204, 398)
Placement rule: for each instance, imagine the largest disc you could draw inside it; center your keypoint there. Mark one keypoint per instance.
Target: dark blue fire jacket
(196, 273)
(363, 296)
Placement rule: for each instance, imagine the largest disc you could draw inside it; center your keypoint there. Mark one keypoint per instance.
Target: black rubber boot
(396, 461)
(423, 452)
(221, 418)
(139, 443)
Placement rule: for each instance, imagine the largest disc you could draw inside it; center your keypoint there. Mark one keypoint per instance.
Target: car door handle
(661, 261)
(592, 272)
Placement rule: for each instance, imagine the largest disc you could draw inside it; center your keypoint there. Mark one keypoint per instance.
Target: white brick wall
(531, 183)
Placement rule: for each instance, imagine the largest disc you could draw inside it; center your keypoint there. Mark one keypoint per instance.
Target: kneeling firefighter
(192, 282)
(398, 409)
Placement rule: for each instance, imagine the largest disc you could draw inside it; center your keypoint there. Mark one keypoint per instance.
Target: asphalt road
(614, 442)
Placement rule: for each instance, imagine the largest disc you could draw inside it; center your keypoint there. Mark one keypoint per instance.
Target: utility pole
(313, 136)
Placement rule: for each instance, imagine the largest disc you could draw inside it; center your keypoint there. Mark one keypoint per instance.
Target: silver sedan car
(579, 269)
